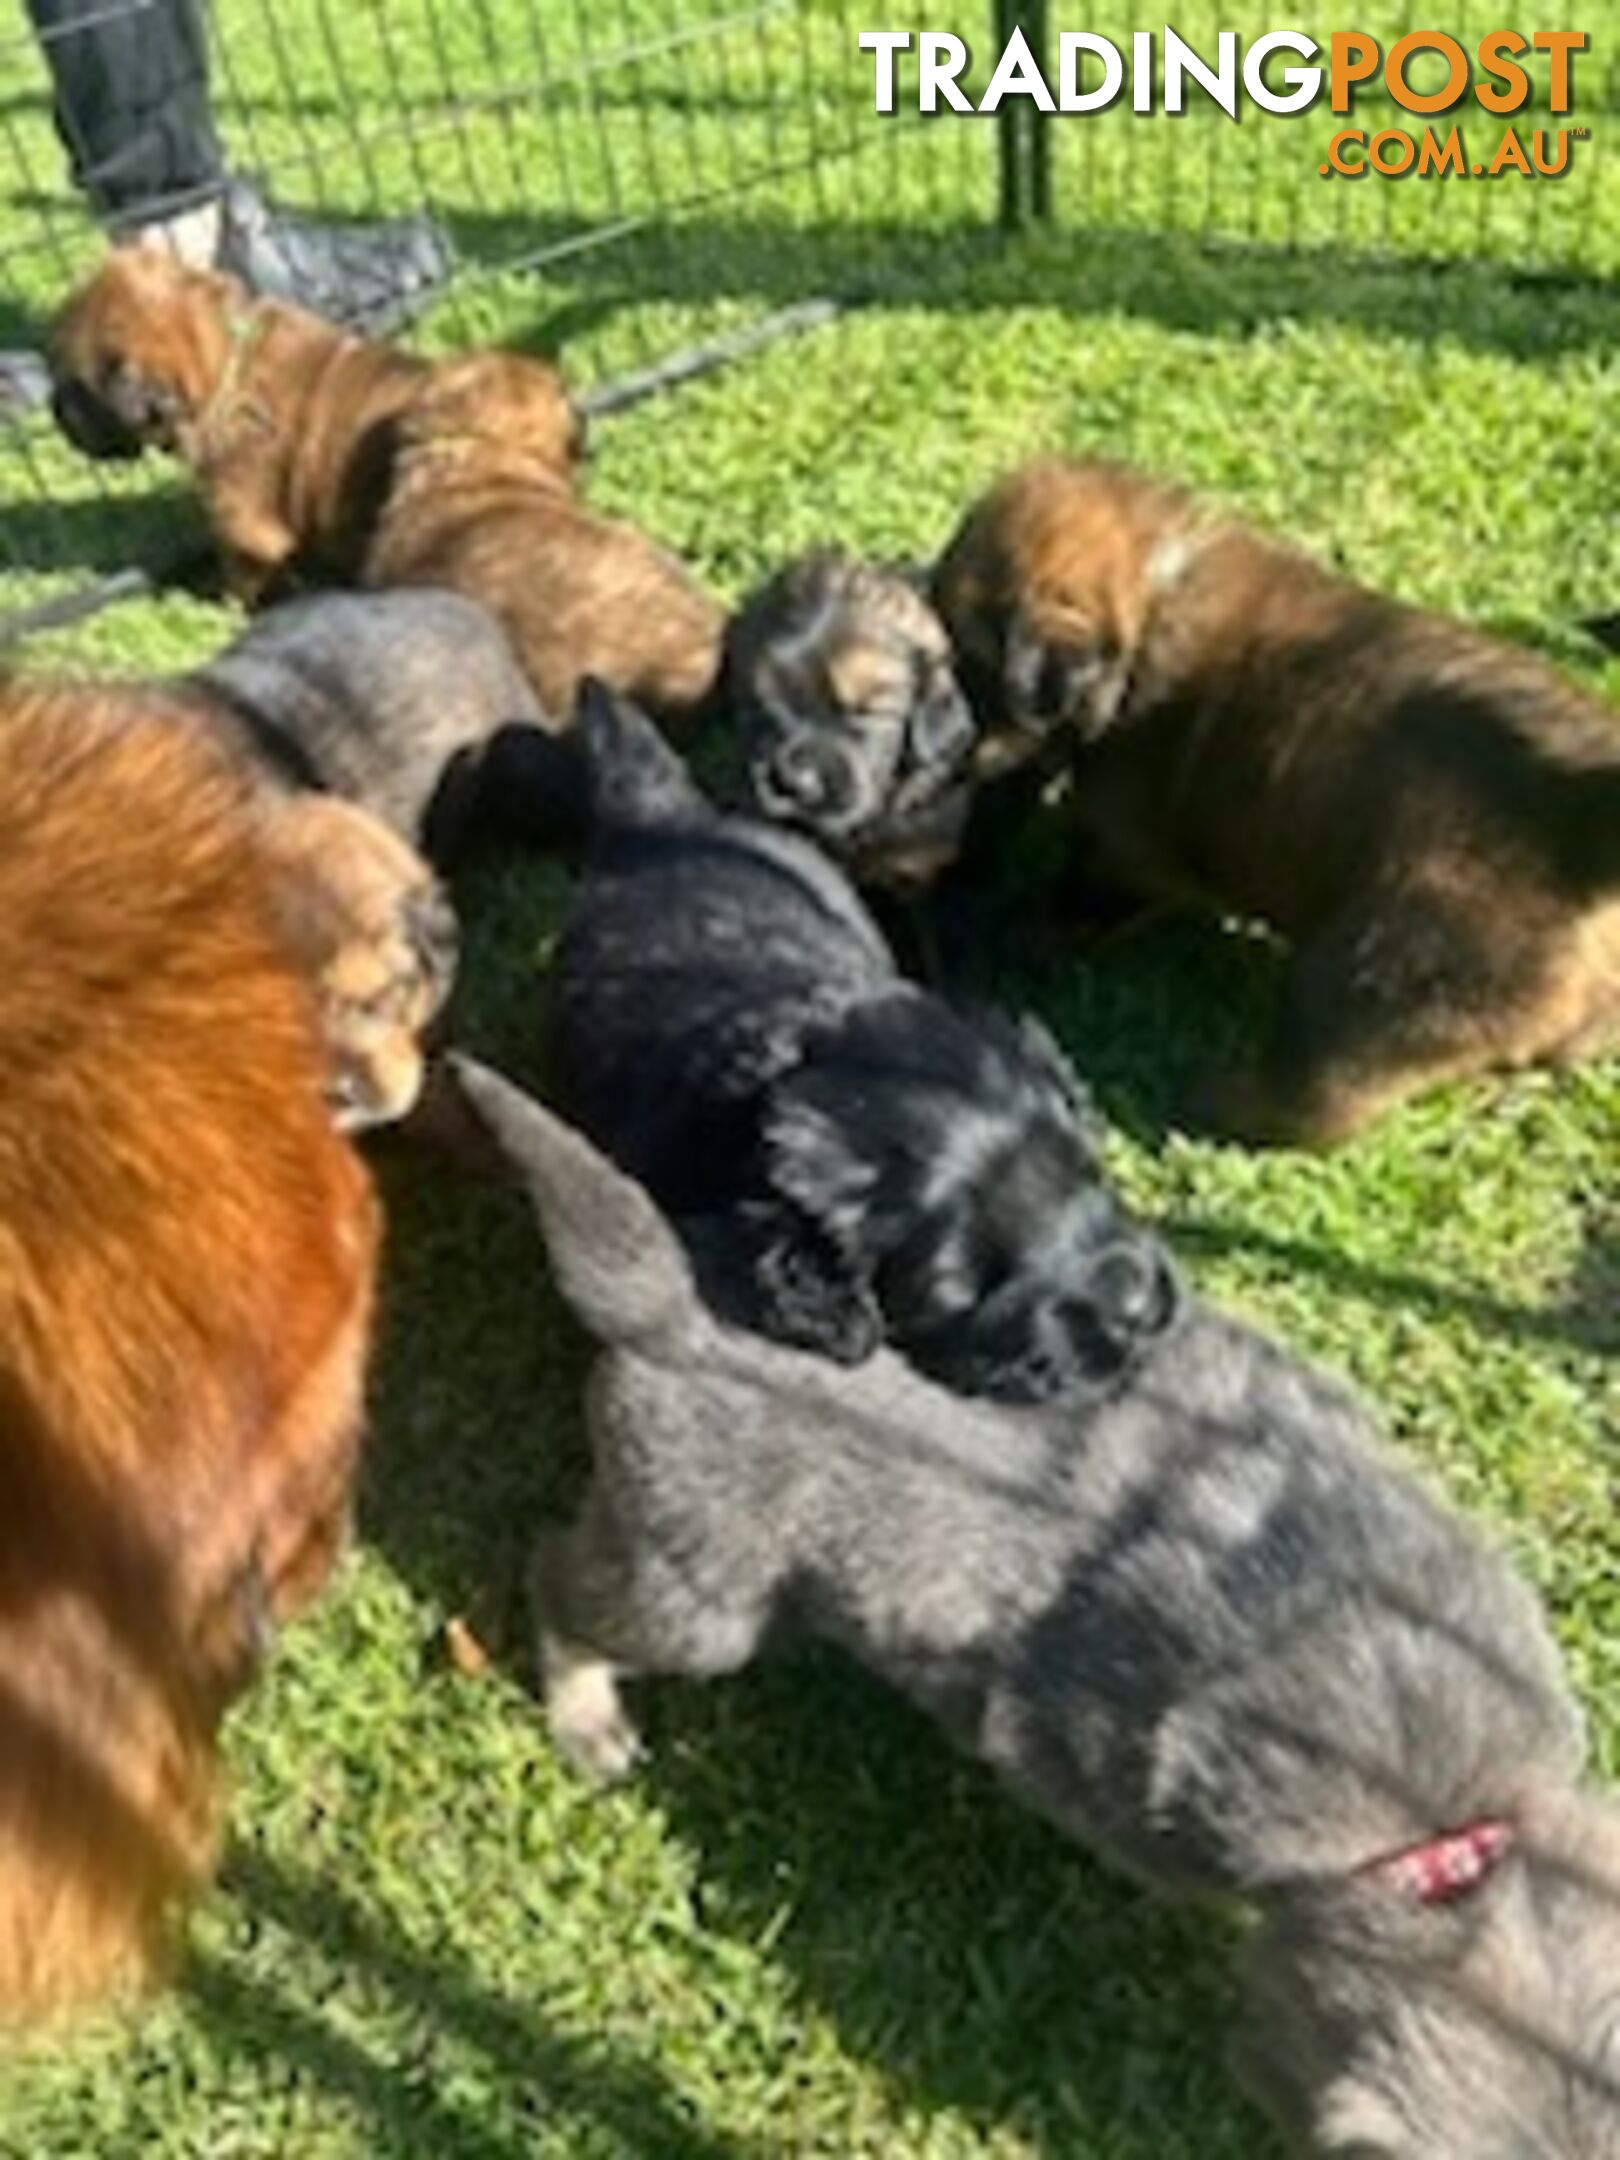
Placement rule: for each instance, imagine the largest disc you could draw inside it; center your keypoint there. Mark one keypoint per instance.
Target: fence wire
(646, 186)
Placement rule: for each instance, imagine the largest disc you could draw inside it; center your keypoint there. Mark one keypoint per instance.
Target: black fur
(848, 1157)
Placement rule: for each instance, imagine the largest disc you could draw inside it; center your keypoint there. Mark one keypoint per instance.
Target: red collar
(1444, 1867)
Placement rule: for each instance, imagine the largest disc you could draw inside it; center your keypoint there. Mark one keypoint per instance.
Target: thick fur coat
(186, 1260)
(1205, 1626)
(1428, 816)
(849, 1156)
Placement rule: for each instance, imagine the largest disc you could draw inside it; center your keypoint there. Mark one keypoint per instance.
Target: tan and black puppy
(1430, 817)
(850, 722)
(187, 1254)
(483, 502)
(285, 420)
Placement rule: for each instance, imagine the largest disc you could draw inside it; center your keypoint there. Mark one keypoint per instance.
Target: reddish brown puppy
(1430, 817)
(187, 1250)
(483, 501)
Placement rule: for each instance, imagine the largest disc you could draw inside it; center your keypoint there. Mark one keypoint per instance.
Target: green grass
(807, 1930)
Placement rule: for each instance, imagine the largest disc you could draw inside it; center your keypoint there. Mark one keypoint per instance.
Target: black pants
(132, 103)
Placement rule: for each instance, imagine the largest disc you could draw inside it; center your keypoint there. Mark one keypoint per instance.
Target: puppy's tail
(633, 776)
(615, 1259)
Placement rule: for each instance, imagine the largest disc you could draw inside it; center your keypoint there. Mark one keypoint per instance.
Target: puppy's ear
(940, 730)
(636, 777)
(812, 1160)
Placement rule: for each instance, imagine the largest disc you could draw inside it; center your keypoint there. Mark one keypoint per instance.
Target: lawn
(806, 1929)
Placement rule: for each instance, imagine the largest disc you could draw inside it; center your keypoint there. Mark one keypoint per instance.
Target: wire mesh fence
(649, 185)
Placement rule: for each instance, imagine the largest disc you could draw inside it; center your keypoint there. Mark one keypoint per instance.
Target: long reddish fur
(186, 1261)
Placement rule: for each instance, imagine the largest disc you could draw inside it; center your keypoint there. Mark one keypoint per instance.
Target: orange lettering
(1355, 60)
(1492, 58)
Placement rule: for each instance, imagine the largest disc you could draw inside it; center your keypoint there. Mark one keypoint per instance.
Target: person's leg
(133, 112)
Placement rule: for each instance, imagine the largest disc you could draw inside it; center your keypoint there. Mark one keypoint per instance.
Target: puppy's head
(1402, 2015)
(137, 352)
(957, 1161)
(501, 401)
(1046, 590)
(373, 932)
(851, 722)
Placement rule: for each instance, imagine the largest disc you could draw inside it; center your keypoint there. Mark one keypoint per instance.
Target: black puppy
(410, 704)
(851, 725)
(847, 1157)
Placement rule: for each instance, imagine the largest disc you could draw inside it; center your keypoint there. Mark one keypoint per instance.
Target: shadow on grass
(406, 2113)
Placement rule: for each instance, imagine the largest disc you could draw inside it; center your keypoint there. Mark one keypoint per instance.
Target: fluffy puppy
(851, 725)
(848, 1156)
(186, 1259)
(483, 501)
(409, 704)
(1429, 817)
(1206, 1627)
(285, 421)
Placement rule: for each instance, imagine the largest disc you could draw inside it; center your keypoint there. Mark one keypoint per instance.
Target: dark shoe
(372, 275)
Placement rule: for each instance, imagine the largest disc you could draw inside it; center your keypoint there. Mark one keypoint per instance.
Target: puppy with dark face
(848, 1157)
(1429, 817)
(483, 502)
(409, 704)
(187, 1252)
(285, 421)
(850, 722)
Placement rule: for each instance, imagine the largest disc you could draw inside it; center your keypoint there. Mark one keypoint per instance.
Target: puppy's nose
(1132, 1290)
(809, 777)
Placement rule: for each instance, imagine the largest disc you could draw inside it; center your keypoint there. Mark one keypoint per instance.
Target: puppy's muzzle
(809, 779)
(1131, 1292)
(91, 425)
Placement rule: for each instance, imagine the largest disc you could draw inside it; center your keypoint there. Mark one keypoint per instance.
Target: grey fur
(1208, 1628)
(408, 703)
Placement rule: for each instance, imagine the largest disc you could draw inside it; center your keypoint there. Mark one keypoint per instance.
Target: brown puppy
(186, 1260)
(286, 421)
(1430, 817)
(483, 502)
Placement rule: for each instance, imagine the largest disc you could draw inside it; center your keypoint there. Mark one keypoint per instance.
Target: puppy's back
(185, 1256)
(390, 699)
(698, 950)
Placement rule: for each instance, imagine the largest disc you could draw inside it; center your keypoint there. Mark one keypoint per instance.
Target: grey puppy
(410, 704)
(1208, 1628)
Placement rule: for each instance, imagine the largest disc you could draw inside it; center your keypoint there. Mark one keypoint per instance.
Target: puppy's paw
(375, 936)
(586, 1715)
